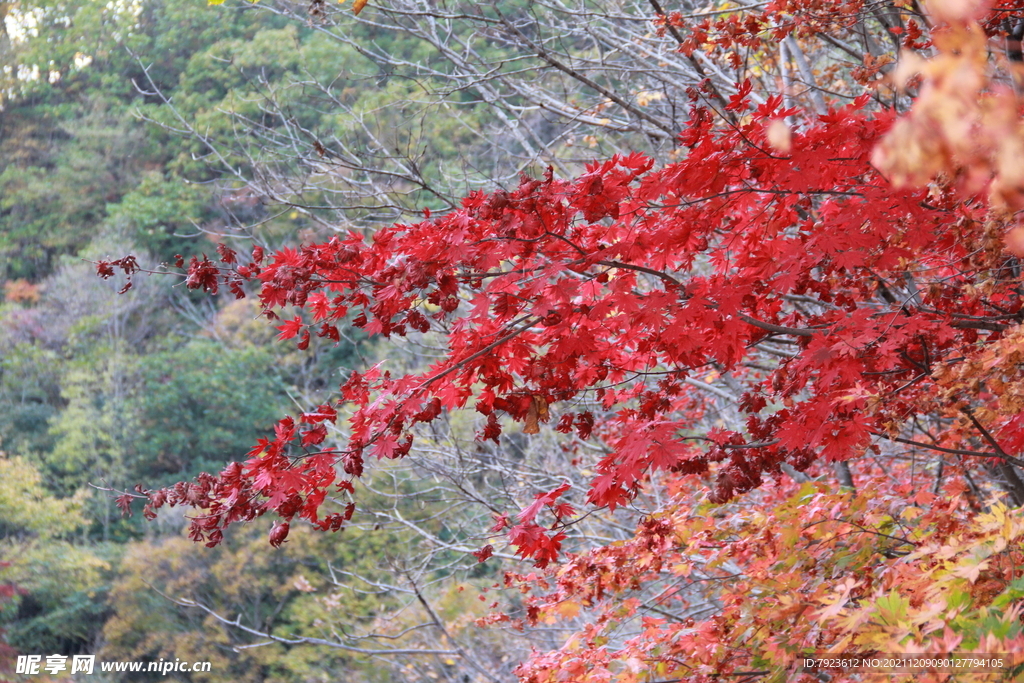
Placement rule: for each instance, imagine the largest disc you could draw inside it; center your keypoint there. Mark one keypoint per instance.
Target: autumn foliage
(854, 272)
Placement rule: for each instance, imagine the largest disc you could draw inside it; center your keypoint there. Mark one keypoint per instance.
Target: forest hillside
(554, 340)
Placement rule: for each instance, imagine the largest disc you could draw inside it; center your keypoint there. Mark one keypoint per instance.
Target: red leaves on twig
(560, 290)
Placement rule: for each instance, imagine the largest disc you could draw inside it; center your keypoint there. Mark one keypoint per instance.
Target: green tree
(94, 431)
(71, 145)
(200, 406)
(29, 393)
(286, 593)
(62, 600)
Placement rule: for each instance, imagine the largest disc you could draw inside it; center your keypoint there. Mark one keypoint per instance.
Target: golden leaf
(358, 6)
(568, 609)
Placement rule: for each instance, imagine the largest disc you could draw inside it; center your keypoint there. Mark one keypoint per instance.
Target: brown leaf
(538, 412)
(531, 418)
(358, 6)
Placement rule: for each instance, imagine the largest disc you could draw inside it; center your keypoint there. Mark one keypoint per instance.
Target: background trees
(640, 360)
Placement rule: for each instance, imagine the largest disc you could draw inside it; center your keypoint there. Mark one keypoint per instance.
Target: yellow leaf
(683, 569)
(911, 513)
(358, 6)
(568, 608)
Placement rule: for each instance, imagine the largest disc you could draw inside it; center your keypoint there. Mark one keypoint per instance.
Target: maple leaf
(527, 514)
(501, 522)
(484, 553)
(290, 328)
(319, 305)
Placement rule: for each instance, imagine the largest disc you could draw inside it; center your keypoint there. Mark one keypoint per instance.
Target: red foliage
(850, 311)
(566, 288)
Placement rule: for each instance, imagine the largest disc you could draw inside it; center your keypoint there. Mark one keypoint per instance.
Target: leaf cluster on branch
(802, 284)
